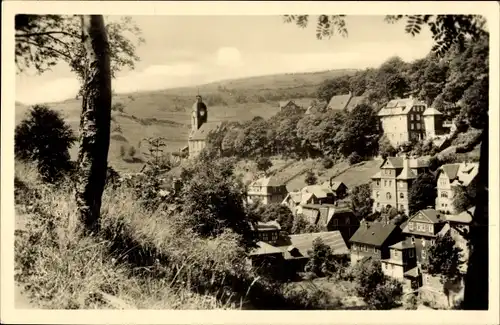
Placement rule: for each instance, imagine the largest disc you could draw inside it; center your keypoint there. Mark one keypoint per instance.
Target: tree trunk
(95, 122)
(476, 280)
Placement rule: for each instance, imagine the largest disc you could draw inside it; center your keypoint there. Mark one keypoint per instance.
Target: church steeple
(199, 114)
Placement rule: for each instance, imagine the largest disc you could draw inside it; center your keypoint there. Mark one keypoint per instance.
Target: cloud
(34, 92)
(229, 57)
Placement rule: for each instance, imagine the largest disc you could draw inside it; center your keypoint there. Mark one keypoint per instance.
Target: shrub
(328, 162)
(311, 178)
(354, 158)
(44, 138)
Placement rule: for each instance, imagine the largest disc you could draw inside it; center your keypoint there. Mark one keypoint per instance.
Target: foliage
(310, 178)
(360, 133)
(44, 40)
(322, 260)
(476, 103)
(463, 197)
(445, 258)
(131, 151)
(302, 226)
(354, 158)
(212, 199)
(385, 148)
(422, 193)
(333, 87)
(263, 164)
(276, 212)
(327, 162)
(376, 289)
(45, 138)
(361, 199)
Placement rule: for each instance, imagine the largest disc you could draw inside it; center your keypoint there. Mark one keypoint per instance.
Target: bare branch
(26, 35)
(49, 48)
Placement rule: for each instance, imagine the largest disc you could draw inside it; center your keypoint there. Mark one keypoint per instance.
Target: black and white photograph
(278, 160)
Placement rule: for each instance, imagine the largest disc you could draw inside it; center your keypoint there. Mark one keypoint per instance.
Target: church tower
(198, 114)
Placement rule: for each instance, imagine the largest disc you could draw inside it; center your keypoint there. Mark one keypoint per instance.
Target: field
(166, 113)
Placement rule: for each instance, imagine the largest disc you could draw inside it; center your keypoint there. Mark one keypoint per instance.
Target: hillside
(166, 112)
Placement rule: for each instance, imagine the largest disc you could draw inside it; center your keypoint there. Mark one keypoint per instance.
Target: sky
(192, 50)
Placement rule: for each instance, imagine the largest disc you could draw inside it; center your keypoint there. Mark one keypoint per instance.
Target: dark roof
(205, 130)
(403, 245)
(375, 233)
(398, 162)
(430, 214)
(450, 170)
(335, 185)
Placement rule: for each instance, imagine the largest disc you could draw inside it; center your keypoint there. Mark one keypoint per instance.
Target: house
(433, 123)
(402, 120)
(460, 225)
(267, 232)
(312, 194)
(288, 104)
(316, 107)
(423, 228)
(373, 240)
(391, 185)
(402, 264)
(267, 190)
(200, 127)
(345, 102)
(339, 188)
(332, 217)
(294, 250)
(450, 176)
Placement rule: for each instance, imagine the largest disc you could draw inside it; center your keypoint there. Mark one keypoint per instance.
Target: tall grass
(141, 258)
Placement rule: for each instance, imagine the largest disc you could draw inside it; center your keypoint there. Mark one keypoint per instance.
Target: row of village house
(402, 249)
(402, 120)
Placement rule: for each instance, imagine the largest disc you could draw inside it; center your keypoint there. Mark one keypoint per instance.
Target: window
(410, 225)
(396, 253)
(444, 194)
(377, 194)
(418, 117)
(378, 183)
(388, 196)
(401, 207)
(378, 204)
(410, 253)
(433, 241)
(430, 228)
(374, 250)
(412, 127)
(423, 253)
(418, 126)
(411, 117)
(390, 183)
(401, 184)
(385, 182)
(401, 195)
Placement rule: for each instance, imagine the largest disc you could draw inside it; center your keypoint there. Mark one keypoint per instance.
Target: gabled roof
(399, 107)
(304, 242)
(339, 102)
(431, 214)
(264, 248)
(375, 233)
(319, 191)
(266, 226)
(398, 162)
(431, 111)
(270, 181)
(355, 101)
(406, 173)
(205, 129)
(460, 174)
(284, 103)
(335, 185)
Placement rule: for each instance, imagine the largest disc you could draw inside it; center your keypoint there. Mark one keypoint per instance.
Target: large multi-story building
(403, 120)
(450, 176)
(391, 185)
